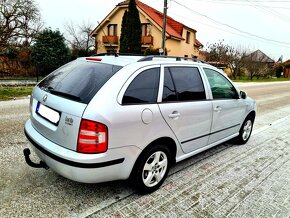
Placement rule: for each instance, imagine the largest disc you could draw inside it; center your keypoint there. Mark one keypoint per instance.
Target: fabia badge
(44, 98)
(69, 121)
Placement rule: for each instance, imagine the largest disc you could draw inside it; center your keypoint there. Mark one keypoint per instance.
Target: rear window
(78, 80)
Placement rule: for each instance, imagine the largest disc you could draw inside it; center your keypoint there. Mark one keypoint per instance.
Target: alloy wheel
(155, 168)
(247, 130)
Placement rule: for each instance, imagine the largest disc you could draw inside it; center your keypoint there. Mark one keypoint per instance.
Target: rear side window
(182, 84)
(144, 88)
(78, 80)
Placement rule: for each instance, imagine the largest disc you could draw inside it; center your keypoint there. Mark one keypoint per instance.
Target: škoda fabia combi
(107, 118)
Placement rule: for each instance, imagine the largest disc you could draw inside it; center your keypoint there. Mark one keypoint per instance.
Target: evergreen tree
(124, 34)
(133, 29)
(49, 51)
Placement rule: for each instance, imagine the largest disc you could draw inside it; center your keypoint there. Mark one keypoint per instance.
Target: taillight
(93, 137)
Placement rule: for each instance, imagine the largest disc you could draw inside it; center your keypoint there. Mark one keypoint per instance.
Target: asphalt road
(28, 192)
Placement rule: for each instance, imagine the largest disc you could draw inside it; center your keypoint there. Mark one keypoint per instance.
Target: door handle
(174, 115)
(217, 109)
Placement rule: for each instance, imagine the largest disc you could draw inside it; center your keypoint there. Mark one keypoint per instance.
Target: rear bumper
(115, 164)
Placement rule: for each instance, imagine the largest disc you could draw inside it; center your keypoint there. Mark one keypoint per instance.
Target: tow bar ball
(41, 164)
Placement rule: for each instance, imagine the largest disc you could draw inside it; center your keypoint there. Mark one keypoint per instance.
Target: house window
(112, 30)
(145, 29)
(187, 37)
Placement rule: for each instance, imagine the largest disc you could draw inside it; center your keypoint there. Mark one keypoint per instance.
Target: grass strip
(12, 92)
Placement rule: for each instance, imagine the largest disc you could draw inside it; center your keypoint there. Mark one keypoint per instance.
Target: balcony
(111, 40)
(147, 40)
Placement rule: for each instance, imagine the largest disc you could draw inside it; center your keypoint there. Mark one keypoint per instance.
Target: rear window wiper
(63, 94)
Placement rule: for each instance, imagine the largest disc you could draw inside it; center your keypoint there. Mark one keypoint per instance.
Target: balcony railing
(110, 39)
(147, 40)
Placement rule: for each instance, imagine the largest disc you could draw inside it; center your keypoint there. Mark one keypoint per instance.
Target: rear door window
(79, 80)
(182, 84)
(143, 89)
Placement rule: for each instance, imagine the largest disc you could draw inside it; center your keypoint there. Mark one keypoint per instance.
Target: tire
(151, 169)
(245, 131)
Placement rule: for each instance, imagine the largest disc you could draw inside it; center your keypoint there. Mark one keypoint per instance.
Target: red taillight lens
(93, 137)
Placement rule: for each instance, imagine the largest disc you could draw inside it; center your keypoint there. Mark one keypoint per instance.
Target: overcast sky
(249, 24)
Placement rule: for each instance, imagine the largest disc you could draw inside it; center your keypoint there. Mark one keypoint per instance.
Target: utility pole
(164, 28)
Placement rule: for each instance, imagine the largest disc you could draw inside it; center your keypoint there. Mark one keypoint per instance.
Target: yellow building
(180, 39)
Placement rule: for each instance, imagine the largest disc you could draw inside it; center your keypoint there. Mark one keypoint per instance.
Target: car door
(184, 106)
(228, 108)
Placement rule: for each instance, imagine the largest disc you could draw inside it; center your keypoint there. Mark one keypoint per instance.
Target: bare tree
(258, 64)
(224, 55)
(79, 38)
(236, 62)
(218, 52)
(19, 22)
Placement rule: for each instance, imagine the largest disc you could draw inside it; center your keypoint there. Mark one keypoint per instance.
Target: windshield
(78, 80)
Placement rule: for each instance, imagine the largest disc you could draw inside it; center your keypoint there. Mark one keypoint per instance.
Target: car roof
(123, 60)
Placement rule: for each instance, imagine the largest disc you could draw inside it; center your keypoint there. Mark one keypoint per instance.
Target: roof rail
(131, 54)
(117, 54)
(177, 58)
(107, 54)
(151, 57)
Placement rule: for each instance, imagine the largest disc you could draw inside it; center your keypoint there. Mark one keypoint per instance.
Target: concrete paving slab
(241, 181)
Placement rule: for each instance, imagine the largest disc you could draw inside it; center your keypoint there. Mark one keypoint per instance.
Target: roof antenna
(115, 53)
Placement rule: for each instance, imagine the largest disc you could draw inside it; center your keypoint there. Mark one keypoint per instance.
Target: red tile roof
(173, 27)
(198, 43)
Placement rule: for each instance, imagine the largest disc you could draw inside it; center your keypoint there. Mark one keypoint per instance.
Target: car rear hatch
(59, 101)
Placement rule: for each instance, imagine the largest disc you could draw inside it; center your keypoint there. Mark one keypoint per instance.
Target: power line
(262, 1)
(273, 12)
(244, 3)
(256, 5)
(224, 30)
(228, 31)
(234, 28)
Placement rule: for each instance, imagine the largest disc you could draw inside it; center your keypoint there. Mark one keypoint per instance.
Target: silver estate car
(105, 118)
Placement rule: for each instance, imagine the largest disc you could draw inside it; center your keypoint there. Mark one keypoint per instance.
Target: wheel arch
(167, 141)
(251, 114)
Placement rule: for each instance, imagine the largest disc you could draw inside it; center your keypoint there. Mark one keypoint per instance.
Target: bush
(279, 71)
(49, 51)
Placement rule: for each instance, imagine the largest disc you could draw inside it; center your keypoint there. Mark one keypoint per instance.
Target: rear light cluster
(93, 137)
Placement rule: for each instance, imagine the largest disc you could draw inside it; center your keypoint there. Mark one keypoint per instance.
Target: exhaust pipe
(41, 164)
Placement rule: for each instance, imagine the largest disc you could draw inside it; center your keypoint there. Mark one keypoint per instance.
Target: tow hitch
(41, 164)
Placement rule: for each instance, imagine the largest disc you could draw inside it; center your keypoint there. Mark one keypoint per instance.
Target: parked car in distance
(105, 118)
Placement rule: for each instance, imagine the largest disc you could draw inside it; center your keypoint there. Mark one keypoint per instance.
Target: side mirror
(243, 94)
